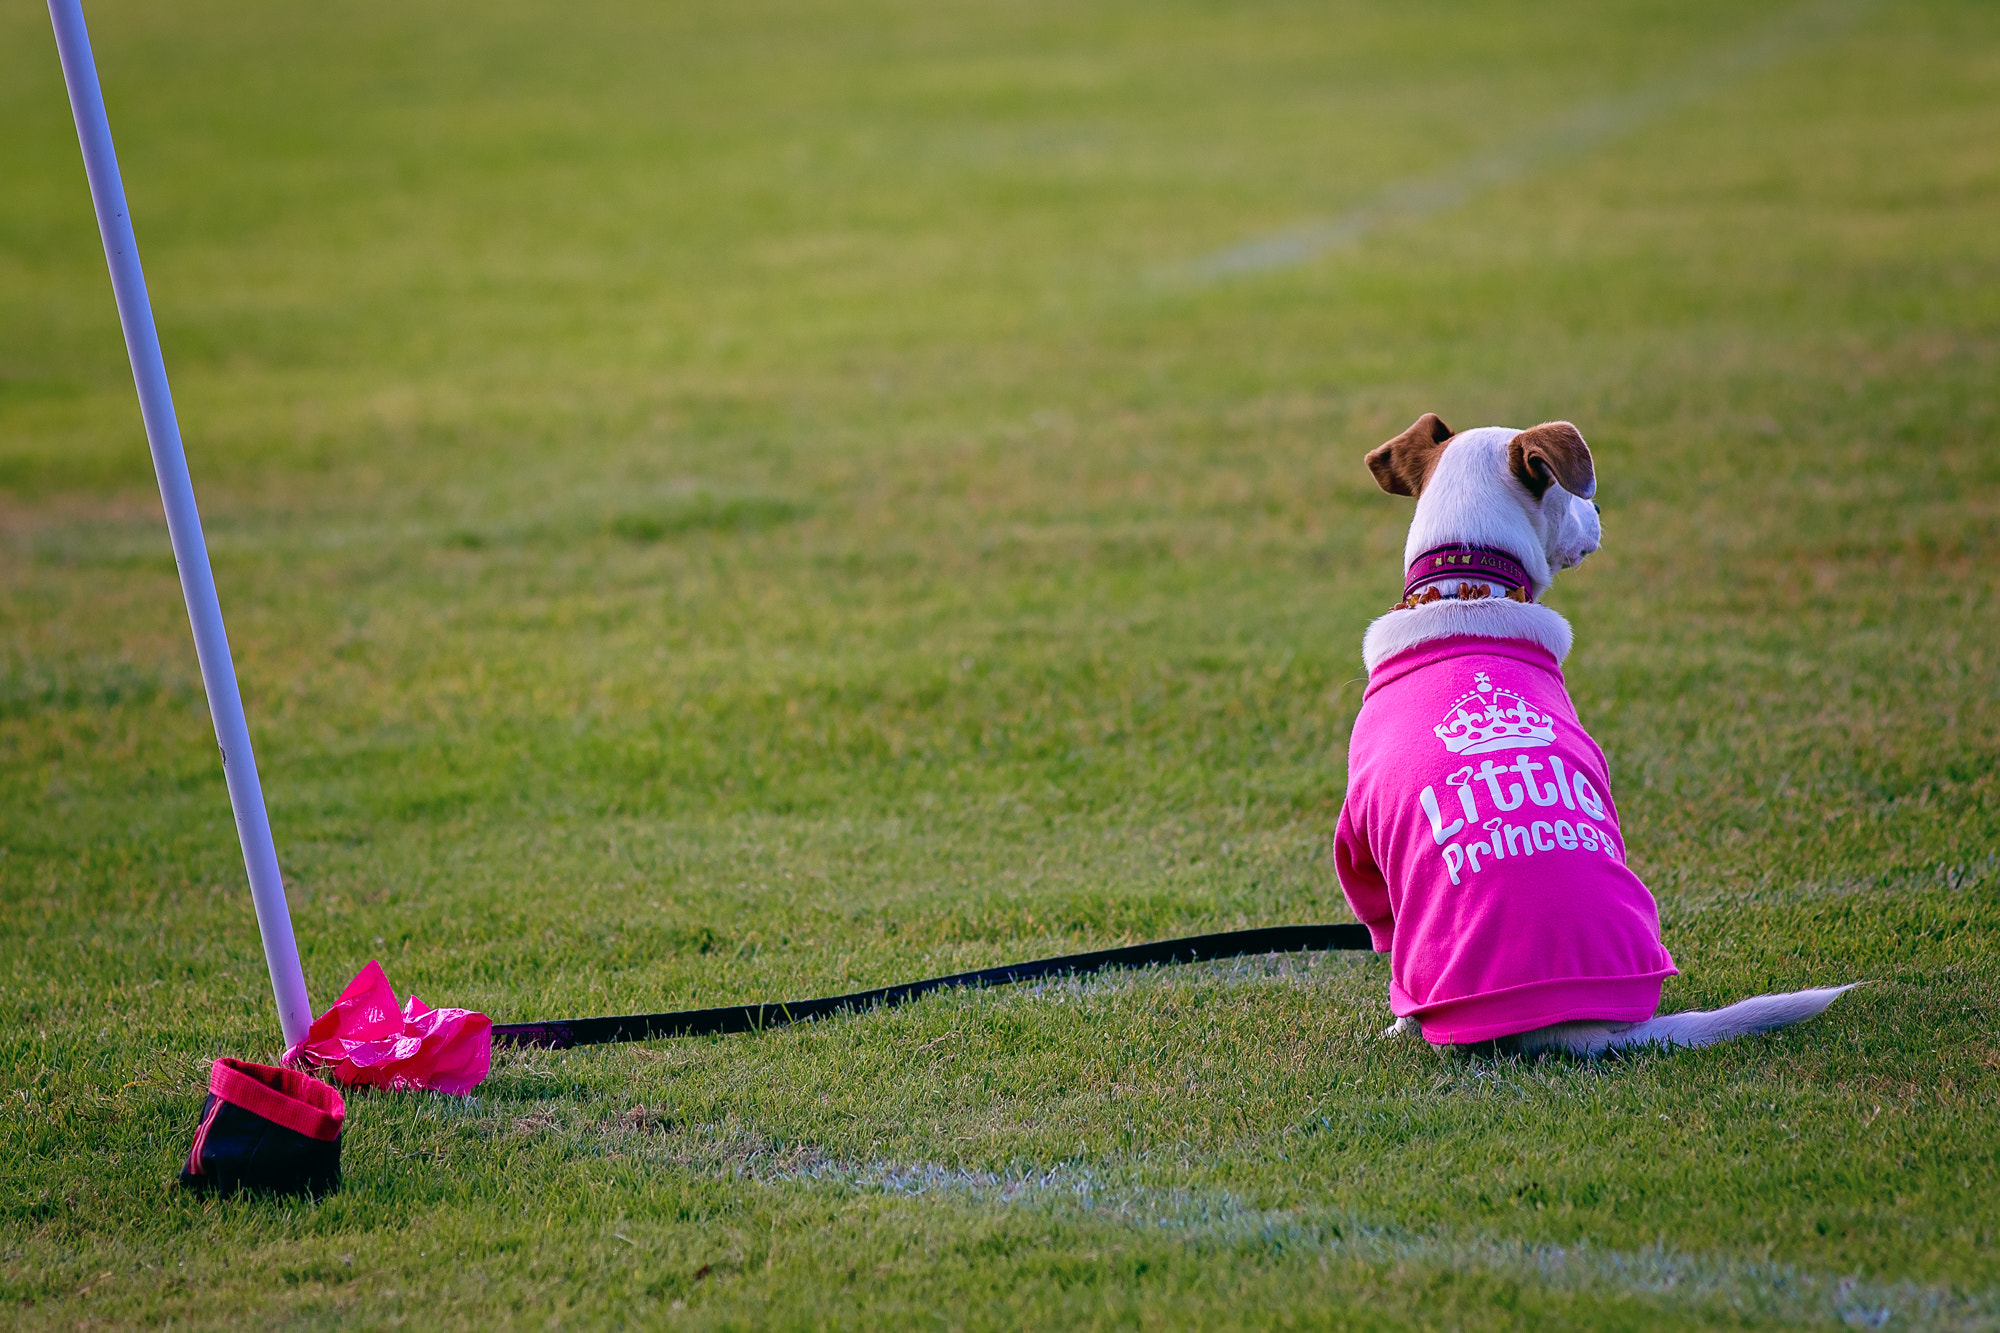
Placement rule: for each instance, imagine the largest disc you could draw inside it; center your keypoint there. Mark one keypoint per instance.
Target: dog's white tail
(1697, 1027)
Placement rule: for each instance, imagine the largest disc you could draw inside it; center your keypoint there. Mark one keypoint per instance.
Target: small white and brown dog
(1501, 893)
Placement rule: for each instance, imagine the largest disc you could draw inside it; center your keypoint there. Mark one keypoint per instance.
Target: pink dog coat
(1479, 844)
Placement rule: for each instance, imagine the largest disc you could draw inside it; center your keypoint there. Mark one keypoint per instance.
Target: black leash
(558, 1034)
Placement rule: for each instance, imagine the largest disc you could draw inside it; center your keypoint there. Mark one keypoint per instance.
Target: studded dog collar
(1478, 568)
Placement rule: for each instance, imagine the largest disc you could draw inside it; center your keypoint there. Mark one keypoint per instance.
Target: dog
(1478, 840)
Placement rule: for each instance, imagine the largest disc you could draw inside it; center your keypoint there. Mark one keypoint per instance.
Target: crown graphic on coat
(1487, 718)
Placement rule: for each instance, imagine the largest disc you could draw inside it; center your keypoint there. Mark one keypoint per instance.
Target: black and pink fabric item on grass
(266, 1128)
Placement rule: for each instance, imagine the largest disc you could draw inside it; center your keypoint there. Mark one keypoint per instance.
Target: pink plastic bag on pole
(367, 1039)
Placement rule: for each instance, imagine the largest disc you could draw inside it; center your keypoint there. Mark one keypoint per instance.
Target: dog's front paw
(1402, 1026)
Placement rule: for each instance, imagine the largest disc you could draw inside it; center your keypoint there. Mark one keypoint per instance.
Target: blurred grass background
(724, 502)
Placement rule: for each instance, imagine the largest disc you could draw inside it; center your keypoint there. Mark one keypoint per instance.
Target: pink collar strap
(1457, 560)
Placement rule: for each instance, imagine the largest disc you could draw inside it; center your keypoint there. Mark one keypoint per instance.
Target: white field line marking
(1417, 197)
(1963, 878)
(1768, 1290)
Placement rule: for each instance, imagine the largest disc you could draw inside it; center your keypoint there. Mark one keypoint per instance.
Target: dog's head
(1525, 492)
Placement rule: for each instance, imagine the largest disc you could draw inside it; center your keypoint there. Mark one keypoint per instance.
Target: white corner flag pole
(163, 434)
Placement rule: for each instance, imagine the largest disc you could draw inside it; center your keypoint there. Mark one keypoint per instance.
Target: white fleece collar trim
(1495, 618)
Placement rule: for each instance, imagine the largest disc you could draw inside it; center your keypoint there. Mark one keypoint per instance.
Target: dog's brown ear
(1404, 464)
(1552, 452)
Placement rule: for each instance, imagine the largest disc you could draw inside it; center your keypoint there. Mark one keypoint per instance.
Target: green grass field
(737, 501)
